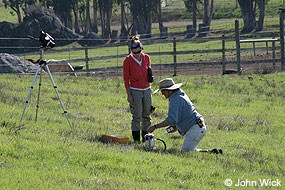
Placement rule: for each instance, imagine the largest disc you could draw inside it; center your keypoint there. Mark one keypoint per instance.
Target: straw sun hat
(168, 84)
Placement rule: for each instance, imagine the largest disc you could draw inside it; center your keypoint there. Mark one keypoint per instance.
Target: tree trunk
(95, 17)
(207, 18)
(142, 25)
(76, 17)
(260, 21)
(102, 19)
(105, 15)
(88, 18)
(124, 31)
(141, 12)
(108, 19)
(63, 11)
(194, 20)
(19, 16)
(248, 15)
(162, 29)
(160, 23)
(206, 13)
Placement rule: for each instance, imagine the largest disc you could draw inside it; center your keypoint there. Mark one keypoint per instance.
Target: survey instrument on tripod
(45, 41)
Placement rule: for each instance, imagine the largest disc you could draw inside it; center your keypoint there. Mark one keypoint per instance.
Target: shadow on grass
(159, 147)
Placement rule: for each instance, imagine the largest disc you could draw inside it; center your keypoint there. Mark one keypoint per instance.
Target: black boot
(136, 136)
(143, 134)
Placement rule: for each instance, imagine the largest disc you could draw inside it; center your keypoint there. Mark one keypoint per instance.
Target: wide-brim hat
(168, 84)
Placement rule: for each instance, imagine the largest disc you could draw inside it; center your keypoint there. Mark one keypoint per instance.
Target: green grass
(244, 118)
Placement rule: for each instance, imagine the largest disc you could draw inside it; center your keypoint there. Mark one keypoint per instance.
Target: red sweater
(134, 74)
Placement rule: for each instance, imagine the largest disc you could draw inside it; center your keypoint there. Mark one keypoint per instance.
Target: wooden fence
(178, 57)
(226, 59)
(239, 41)
(238, 58)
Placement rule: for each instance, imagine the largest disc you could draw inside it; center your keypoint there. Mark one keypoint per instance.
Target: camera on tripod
(46, 40)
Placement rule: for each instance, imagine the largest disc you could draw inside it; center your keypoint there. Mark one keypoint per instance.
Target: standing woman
(137, 84)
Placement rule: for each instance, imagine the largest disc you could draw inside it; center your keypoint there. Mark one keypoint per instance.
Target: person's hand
(130, 99)
(151, 128)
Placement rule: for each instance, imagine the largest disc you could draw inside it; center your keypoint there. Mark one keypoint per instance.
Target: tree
(105, 7)
(248, 15)
(88, 18)
(141, 11)
(16, 6)
(124, 22)
(261, 5)
(207, 17)
(82, 17)
(194, 20)
(248, 9)
(192, 7)
(46, 3)
(162, 29)
(63, 9)
(95, 16)
(208, 10)
(75, 9)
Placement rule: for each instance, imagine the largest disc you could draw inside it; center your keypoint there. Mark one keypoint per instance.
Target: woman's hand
(130, 99)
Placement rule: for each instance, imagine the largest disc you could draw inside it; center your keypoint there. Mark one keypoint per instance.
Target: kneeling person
(183, 116)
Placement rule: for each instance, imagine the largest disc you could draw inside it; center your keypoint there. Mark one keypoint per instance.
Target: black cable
(162, 142)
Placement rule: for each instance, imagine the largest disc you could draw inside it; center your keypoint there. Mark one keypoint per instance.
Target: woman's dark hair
(135, 38)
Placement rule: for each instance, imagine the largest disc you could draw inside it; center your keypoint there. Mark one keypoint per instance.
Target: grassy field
(244, 115)
(244, 118)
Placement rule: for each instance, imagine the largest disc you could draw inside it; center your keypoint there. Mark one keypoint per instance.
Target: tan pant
(193, 137)
(141, 109)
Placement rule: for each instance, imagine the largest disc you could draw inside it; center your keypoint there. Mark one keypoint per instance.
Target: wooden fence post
(254, 50)
(237, 46)
(281, 21)
(223, 54)
(174, 56)
(273, 54)
(86, 60)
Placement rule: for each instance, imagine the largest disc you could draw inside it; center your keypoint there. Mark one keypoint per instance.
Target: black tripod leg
(30, 93)
(61, 103)
(39, 91)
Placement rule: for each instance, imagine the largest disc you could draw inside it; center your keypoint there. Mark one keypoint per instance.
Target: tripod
(43, 64)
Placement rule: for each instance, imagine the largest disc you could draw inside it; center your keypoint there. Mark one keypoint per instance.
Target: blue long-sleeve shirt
(181, 112)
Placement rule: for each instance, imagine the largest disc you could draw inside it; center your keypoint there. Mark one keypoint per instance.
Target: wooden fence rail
(254, 42)
(222, 55)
